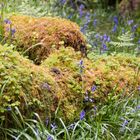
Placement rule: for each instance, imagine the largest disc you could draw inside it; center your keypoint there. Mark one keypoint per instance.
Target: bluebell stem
(82, 115)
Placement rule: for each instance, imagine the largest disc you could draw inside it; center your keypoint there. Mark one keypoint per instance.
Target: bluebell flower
(46, 86)
(82, 115)
(9, 108)
(138, 107)
(69, 17)
(81, 10)
(123, 31)
(7, 21)
(94, 22)
(115, 19)
(93, 88)
(114, 28)
(104, 47)
(49, 137)
(129, 22)
(97, 36)
(71, 126)
(125, 122)
(62, 1)
(139, 41)
(53, 126)
(47, 121)
(134, 28)
(81, 63)
(13, 31)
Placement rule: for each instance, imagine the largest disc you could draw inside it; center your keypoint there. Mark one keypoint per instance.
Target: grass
(115, 119)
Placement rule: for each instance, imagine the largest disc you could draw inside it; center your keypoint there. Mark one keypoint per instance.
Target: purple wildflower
(124, 124)
(13, 31)
(115, 19)
(114, 28)
(104, 47)
(134, 28)
(62, 1)
(82, 115)
(123, 31)
(49, 137)
(71, 126)
(9, 108)
(46, 86)
(139, 41)
(7, 21)
(138, 107)
(139, 88)
(129, 22)
(97, 36)
(81, 10)
(81, 65)
(93, 88)
(94, 22)
(53, 126)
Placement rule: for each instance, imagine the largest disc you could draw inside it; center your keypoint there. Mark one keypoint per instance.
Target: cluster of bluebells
(12, 30)
(81, 66)
(116, 22)
(103, 40)
(124, 124)
(81, 8)
(87, 17)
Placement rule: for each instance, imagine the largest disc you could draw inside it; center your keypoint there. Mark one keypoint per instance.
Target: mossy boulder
(112, 75)
(34, 89)
(59, 87)
(38, 37)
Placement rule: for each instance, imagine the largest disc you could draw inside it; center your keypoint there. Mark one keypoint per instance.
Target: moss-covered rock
(37, 37)
(34, 88)
(59, 87)
(112, 75)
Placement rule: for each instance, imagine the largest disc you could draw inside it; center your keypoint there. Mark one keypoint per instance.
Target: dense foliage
(85, 85)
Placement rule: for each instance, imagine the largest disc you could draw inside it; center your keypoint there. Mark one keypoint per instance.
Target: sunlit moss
(38, 37)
